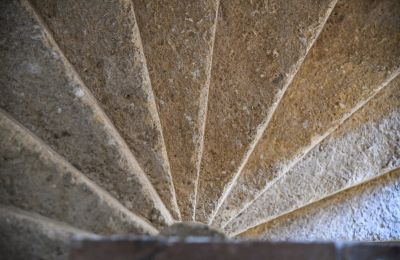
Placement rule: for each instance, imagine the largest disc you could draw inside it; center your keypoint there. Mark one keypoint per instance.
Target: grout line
(45, 150)
(92, 102)
(203, 114)
(157, 117)
(263, 126)
(383, 173)
(318, 140)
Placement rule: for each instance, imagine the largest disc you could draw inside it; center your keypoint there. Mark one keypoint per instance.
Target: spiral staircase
(265, 119)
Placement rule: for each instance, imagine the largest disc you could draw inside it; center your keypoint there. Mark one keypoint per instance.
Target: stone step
(41, 90)
(102, 41)
(356, 55)
(26, 235)
(35, 178)
(259, 46)
(178, 37)
(366, 145)
(368, 212)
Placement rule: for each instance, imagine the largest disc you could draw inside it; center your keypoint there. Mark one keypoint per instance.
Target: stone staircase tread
(178, 39)
(43, 92)
(361, 148)
(102, 42)
(363, 213)
(345, 69)
(26, 235)
(36, 178)
(259, 45)
(160, 120)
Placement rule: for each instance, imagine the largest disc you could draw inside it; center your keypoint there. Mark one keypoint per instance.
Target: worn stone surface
(177, 38)
(259, 46)
(101, 39)
(355, 56)
(34, 178)
(42, 92)
(363, 147)
(369, 212)
(24, 235)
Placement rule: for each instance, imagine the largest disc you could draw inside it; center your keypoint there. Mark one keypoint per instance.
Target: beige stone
(366, 145)
(263, 119)
(178, 37)
(368, 213)
(259, 46)
(24, 235)
(41, 91)
(35, 178)
(356, 55)
(101, 39)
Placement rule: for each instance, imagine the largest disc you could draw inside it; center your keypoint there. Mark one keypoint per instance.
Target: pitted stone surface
(177, 38)
(355, 56)
(259, 45)
(365, 146)
(34, 178)
(24, 235)
(272, 119)
(369, 212)
(101, 39)
(41, 91)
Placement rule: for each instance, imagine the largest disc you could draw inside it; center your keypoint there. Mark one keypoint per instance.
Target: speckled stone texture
(178, 37)
(369, 212)
(366, 145)
(34, 178)
(259, 46)
(355, 56)
(41, 91)
(101, 39)
(24, 235)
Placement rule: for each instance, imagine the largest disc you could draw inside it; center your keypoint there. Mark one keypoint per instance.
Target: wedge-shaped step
(41, 91)
(362, 148)
(35, 178)
(102, 41)
(356, 55)
(368, 212)
(178, 37)
(259, 46)
(25, 235)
